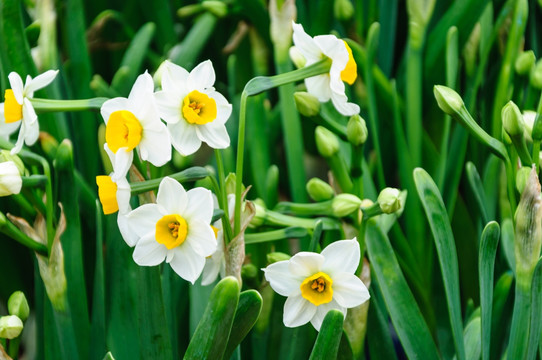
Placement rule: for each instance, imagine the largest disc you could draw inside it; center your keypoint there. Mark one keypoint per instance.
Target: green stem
(278, 219)
(414, 103)
(223, 196)
(310, 209)
(13, 348)
(34, 180)
(47, 105)
(338, 167)
(510, 180)
(289, 232)
(190, 174)
(519, 329)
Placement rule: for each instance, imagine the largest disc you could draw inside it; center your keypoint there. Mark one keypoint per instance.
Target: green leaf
(472, 339)
(486, 264)
(535, 329)
(329, 337)
(248, 311)
(444, 241)
(211, 336)
(98, 328)
(405, 314)
(477, 189)
(508, 243)
(379, 337)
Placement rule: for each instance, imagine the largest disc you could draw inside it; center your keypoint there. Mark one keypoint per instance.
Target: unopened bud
(319, 190)
(343, 10)
(326, 142)
(345, 204)
(356, 130)
(64, 155)
(17, 305)
(389, 200)
(307, 104)
(512, 120)
(525, 62)
(276, 257)
(10, 179)
(217, 8)
(48, 144)
(249, 271)
(297, 57)
(259, 216)
(10, 326)
(529, 117)
(448, 100)
(536, 75)
(5, 155)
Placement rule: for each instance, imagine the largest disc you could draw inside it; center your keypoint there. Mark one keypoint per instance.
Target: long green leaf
(329, 337)
(444, 241)
(472, 339)
(486, 264)
(478, 189)
(535, 330)
(405, 314)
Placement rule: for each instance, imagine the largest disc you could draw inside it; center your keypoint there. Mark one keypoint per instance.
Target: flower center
(123, 130)
(198, 108)
(171, 230)
(317, 288)
(350, 71)
(107, 192)
(13, 111)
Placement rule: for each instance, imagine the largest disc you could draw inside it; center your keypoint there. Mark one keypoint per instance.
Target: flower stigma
(198, 108)
(13, 111)
(317, 288)
(123, 130)
(171, 231)
(350, 71)
(107, 192)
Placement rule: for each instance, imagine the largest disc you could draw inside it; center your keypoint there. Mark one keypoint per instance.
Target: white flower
(17, 110)
(529, 117)
(10, 179)
(134, 122)
(10, 326)
(193, 110)
(316, 283)
(176, 229)
(343, 68)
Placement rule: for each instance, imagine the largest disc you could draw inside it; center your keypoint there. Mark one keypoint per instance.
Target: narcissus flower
(343, 68)
(114, 189)
(316, 283)
(176, 229)
(193, 110)
(17, 110)
(134, 122)
(10, 179)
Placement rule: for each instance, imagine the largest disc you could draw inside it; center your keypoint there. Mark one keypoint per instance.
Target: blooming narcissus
(193, 110)
(17, 110)
(134, 122)
(176, 229)
(316, 283)
(343, 68)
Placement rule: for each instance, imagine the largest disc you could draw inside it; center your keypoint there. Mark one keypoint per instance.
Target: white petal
(172, 196)
(333, 48)
(281, 279)
(174, 79)
(121, 162)
(319, 87)
(169, 107)
(143, 219)
(202, 76)
(297, 311)
(322, 311)
(123, 195)
(306, 44)
(340, 101)
(184, 138)
(187, 263)
(17, 86)
(210, 270)
(112, 105)
(148, 252)
(223, 109)
(200, 205)
(32, 127)
(341, 256)
(305, 264)
(216, 136)
(40, 81)
(142, 91)
(201, 238)
(20, 140)
(10, 179)
(155, 146)
(348, 290)
(129, 236)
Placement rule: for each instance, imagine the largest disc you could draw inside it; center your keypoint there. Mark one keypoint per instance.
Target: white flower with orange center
(316, 283)
(176, 229)
(134, 122)
(343, 68)
(17, 110)
(193, 110)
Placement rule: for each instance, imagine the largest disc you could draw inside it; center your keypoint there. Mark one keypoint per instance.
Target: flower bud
(48, 144)
(307, 104)
(389, 200)
(276, 257)
(525, 62)
(297, 57)
(326, 142)
(536, 75)
(259, 217)
(5, 155)
(512, 120)
(10, 327)
(249, 271)
(345, 204)
(343, 10)
(10, 179)
(448, 100)
(17, 305)
(529, 117)
(356, 130)
(319, 190)
(217, 8)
